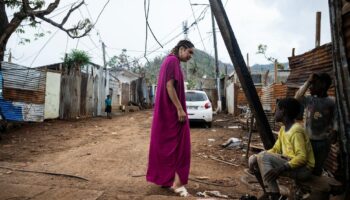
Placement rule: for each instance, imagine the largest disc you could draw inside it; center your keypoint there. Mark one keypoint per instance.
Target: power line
(147, 23)
(200, 35)
(226, 3)
(43, 47)
(99, 15)
(62, 8)
(89, 36)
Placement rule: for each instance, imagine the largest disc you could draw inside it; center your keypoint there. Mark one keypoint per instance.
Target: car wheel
(209, 124)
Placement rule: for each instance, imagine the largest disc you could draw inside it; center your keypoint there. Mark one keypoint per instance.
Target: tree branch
(72, 32)
(70, 11)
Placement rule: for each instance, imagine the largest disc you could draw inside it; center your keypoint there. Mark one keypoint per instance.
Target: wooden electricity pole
(242, 73)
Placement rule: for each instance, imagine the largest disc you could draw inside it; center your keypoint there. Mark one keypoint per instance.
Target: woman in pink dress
(170, 146)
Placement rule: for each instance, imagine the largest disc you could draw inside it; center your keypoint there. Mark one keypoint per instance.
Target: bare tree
(32, 10)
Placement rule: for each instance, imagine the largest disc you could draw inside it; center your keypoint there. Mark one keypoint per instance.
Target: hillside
(201, 65)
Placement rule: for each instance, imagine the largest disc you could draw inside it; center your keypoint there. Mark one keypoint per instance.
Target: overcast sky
(279, 24)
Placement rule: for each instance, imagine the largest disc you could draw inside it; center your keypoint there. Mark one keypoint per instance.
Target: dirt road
(107, 160)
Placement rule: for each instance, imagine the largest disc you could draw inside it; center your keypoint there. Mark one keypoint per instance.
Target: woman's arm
(174, 98)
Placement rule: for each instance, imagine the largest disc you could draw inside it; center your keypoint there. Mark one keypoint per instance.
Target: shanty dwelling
(125, 78)
(139, 94)
(115, 90)
(82, 91)
(22, 96)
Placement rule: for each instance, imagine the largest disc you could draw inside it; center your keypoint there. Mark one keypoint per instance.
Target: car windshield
(194, 96)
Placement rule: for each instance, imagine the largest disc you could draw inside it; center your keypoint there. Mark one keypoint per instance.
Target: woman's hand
(181, 115)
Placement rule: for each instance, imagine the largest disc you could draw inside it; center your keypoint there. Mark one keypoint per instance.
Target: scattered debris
(213, 130)
(223, 161)
(210, 183)
(206, 194)
(232, 143)
(48, 173)
(233, 127)
(138, 175)
(202, 177)
(221, 120)
(211, 140)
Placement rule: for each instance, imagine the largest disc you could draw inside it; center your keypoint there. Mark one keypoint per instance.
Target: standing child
(108, 108)
(320, 123)
(290, 156)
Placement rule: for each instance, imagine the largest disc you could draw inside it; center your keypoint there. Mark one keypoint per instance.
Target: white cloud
(280, 24)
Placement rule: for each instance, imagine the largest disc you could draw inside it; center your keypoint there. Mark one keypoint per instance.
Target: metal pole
(104, 61)
(242, 73)
(216, 63)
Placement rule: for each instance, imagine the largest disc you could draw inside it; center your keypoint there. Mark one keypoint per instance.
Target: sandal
(181, 191)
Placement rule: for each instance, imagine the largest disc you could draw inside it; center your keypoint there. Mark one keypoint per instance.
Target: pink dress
(170, 146)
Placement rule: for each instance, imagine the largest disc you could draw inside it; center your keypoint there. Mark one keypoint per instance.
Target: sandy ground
(108, 158)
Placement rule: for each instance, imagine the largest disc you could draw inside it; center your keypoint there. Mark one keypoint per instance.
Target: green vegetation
(201, 65)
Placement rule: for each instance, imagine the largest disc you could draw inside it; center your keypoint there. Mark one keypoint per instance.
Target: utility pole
(216, 63)
(104, 61)
(243, 73)
(185, 30)
(217, 74)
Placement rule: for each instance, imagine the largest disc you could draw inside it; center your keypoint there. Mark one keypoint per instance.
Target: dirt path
(112, 156)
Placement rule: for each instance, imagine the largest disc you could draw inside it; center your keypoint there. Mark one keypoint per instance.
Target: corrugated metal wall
(242, 100)
(318, 60)
(23, 93)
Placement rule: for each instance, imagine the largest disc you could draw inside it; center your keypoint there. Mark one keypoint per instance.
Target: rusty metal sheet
(315, 61)
(22, 93)
(23, 84)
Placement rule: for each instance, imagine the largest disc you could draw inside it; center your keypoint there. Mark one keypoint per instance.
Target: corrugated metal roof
(22, 95)
(22, 84)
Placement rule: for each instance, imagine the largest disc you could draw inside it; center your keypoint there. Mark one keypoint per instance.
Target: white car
(199, 107)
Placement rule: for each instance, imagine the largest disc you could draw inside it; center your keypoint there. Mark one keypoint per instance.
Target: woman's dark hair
(290, 106)
(181, 43)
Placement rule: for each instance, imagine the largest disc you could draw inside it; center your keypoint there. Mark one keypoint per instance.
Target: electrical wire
(42, 48)
(99, 15)
(194, 16)
(147, 23)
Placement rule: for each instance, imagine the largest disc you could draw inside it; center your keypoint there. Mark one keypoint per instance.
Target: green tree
(121, 61)
(76, 59)
(31, 13)
(262, 48)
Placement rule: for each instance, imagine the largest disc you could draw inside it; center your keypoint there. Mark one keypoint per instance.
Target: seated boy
(290, 156)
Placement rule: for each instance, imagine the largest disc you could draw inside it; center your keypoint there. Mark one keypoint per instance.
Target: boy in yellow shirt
(291, 155)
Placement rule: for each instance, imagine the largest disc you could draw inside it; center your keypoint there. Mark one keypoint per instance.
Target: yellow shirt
(295, 145)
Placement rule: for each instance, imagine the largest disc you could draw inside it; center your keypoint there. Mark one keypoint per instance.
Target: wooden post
(276, 71)
(318, 29)
(293, 52)
(248, 63)
(242, 73)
